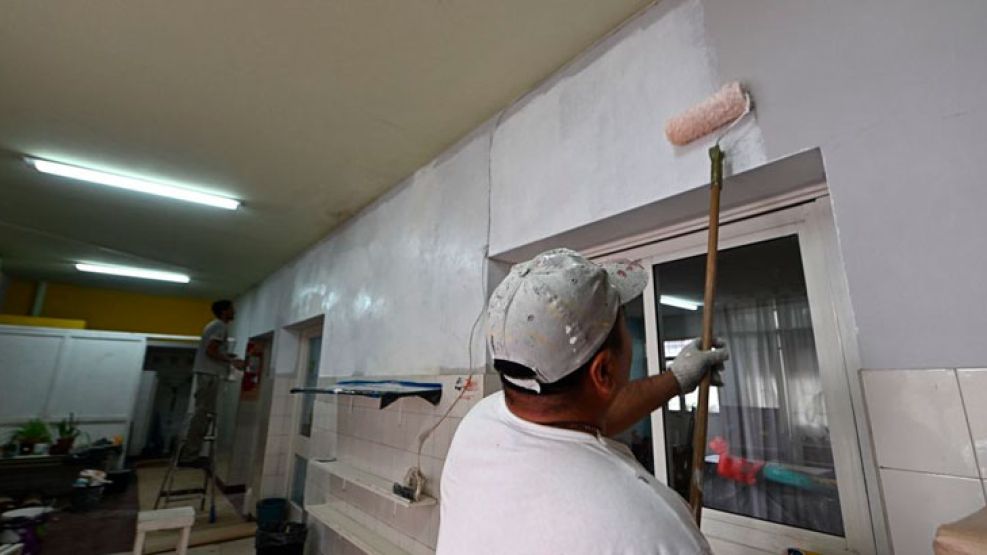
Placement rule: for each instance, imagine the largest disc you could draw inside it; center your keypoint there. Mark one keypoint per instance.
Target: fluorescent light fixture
(679, 302)
(128, 271)
(132, 184)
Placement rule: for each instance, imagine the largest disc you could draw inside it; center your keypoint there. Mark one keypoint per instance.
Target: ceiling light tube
(679, 302)
(128, 271)
(132, 184)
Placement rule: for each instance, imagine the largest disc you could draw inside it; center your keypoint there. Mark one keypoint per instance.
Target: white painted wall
(400, 285)
(590, 143)
(889, 91)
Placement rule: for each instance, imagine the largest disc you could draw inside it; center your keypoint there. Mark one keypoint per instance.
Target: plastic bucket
(271, 512)
(287, 539)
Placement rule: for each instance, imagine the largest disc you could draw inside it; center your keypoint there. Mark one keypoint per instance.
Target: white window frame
(812, 223)
(300, 445)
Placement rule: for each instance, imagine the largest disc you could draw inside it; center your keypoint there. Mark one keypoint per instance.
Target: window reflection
(769, 454)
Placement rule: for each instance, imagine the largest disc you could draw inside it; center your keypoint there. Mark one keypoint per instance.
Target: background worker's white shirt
(217, 330)
(514, 487)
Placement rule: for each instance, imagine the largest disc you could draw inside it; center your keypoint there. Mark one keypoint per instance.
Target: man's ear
(600, 376)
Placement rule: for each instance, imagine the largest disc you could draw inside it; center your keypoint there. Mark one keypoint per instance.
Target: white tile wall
(316, 490)
(276, 451)
(973, 385)
(925, 425)
(342, 547)
(917, 503)
(918, 421)
(385, 442)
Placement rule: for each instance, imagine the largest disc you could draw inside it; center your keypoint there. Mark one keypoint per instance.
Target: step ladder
(208, 489)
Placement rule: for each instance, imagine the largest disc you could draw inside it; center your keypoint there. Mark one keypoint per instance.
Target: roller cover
(728, 104)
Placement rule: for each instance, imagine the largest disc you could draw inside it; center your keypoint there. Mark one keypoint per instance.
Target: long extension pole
(709, 299)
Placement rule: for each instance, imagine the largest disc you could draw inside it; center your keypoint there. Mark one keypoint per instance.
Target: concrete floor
(236, 547)
(109, 528)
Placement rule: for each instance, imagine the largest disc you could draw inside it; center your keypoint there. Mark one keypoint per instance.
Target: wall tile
(432, 468)
(428, 421)
(391, 432)
(313, 491)
(918, 503)
(271, 463)
(384, 442)
(344, 417)
(444, 439)
(407, 437)
(973, 385)
(918, 422)
(317, 537)
(377, 460)
(412, 521)
(325, 447)
(273, 486)
(383, 422)
(364, 451)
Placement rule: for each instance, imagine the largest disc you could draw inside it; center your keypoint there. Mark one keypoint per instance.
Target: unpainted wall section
(892, 91)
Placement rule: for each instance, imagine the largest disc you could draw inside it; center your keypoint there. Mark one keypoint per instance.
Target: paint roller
(724, 109)
(726, 106)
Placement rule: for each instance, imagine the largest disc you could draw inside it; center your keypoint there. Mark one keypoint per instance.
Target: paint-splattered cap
(553, 312)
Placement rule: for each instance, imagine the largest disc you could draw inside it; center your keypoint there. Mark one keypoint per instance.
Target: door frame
(264, 399)
(812, 222)
(299, 444)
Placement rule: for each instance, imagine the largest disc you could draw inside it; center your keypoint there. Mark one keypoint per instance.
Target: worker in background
(531, 468)
(212, 365)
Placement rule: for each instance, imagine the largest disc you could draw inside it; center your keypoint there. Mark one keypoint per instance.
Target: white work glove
(692, 363)
(235, 371)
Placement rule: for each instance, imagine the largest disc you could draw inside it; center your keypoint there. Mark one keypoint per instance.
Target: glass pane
(298, 481)
(769, 454)
(311, 380)
(638, 437)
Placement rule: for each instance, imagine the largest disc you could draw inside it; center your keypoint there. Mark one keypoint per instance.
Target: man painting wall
(212, 364)
(532, 469)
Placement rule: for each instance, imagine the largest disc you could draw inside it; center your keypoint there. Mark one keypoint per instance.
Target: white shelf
(377, 484)
(334, 516)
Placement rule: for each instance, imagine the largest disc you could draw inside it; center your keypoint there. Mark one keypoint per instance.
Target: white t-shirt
(216, 330)
(515, 487)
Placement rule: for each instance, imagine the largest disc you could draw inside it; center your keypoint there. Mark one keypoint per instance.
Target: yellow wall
(19, 297)
(108, 309)
(18, 320)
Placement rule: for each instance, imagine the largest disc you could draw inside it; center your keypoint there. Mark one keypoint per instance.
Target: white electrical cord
(414, 478)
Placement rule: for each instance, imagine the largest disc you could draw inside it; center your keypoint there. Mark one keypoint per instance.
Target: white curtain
(772, 410)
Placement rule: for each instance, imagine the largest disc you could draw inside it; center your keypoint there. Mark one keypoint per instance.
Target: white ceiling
(305, 110)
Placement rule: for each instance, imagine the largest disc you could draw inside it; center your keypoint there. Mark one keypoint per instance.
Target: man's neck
(569, 414)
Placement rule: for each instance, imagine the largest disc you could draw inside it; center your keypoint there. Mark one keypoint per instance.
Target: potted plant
(67, 432)
(33, 432)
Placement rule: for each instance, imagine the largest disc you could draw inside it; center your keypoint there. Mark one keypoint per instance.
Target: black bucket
(86, 498)
(286, 539)
(119, 480)
(271, 513)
